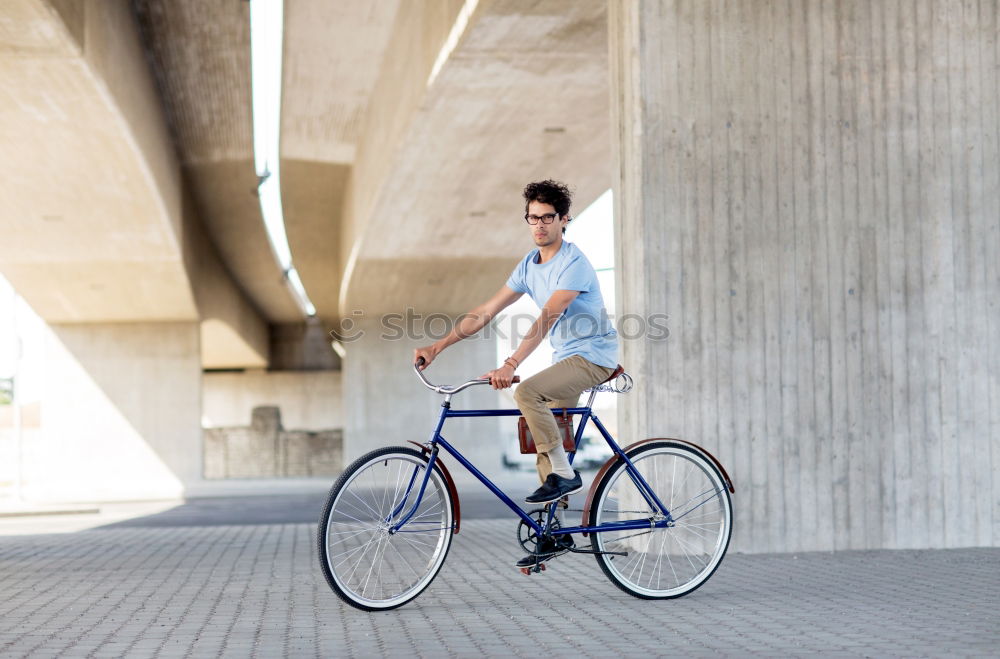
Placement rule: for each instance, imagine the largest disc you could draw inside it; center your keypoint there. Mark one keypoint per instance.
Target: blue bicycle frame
(437, 441)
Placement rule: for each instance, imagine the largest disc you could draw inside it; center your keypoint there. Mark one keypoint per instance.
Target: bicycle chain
(530, 541)
(624, 537)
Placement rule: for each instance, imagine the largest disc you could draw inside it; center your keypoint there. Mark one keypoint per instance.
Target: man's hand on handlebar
(501, 378)
(428, 353)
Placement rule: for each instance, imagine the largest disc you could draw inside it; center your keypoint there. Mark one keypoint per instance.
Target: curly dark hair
(549, 192)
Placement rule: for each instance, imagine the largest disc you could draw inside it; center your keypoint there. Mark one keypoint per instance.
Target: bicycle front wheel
(663, 563)
(368, 566)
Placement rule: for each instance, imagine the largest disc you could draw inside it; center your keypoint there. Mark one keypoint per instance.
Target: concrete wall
(385, 404)
(119, 413)
(309, 400)
(264, 449)
(811, 191)
(10, 459)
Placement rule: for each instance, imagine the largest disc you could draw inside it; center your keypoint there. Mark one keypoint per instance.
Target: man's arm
(553, 308)
(501, 378)
(468, 324)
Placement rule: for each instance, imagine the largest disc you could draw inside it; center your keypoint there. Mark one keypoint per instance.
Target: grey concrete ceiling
(333, 54)
(90, 209)
(200, 52)
(200, 55)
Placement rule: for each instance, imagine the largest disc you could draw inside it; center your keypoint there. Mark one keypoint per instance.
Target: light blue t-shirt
(584, 327)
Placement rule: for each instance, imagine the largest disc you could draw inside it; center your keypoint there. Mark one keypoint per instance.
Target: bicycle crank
(526, 536)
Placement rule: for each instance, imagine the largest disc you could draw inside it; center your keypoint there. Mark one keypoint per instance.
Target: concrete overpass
(809, 190)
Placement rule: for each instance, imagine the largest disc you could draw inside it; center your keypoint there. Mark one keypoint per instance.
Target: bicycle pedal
(528, 570)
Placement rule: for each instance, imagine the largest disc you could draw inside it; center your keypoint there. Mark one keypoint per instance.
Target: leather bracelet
(511, 359)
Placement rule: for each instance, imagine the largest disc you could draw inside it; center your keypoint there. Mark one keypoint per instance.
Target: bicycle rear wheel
(663, 563)
(366, 565)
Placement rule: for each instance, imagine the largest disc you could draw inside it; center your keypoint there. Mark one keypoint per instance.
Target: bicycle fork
(394, 528)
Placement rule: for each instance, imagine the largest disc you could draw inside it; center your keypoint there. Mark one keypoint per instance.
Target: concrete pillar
(385, 404)
(120, 413)
(811, 192)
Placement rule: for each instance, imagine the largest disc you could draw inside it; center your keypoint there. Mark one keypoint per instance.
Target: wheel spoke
(361, 556)
(365, 503)
(340, 542)
(714, 512)
(414, 541)
(691, 529)
(406, 562)
(347, 554)
(688, 554)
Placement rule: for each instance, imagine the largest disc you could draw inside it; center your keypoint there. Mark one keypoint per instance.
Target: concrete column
(120, 413)
(385, 404)
(811, 192)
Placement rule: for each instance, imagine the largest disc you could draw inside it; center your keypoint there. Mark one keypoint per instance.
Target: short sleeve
(516, 281)
(578, 275)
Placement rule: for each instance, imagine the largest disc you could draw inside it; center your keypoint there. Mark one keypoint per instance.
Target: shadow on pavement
(254, 510)
(288, 509)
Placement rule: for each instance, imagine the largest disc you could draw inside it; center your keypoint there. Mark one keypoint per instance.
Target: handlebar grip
(517, 378)
(420, 361)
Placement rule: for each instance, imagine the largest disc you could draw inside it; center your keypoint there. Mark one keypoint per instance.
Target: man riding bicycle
(564, 285)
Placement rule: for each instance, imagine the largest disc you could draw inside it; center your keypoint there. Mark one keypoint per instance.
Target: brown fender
(449, 483)
(727, 481)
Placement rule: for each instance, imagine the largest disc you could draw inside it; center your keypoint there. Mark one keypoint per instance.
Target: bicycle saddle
(618, 371)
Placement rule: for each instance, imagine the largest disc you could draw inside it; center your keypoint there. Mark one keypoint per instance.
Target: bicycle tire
(684, 556)
(353, 530)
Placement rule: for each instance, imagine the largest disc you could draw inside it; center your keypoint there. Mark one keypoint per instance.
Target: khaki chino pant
(560, 385)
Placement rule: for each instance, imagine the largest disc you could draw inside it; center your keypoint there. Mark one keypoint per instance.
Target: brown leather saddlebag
(563, 421)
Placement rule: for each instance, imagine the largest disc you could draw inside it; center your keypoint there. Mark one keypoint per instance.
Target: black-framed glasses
(548, 218)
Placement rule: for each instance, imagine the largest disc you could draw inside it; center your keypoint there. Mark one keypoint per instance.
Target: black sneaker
(547, 548)
(555, 487)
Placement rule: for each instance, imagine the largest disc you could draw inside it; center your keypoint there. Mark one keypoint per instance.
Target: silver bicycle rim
(371, 566)
(666, 562)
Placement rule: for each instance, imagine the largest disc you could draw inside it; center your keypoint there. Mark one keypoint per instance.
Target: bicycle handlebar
(448, 388)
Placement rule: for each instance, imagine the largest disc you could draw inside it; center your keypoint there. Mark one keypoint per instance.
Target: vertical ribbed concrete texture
(811, 191)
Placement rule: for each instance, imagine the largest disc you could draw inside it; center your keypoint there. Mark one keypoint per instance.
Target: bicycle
(658, 514)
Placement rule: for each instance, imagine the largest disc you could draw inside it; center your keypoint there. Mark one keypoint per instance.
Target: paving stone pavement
(256, 590)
